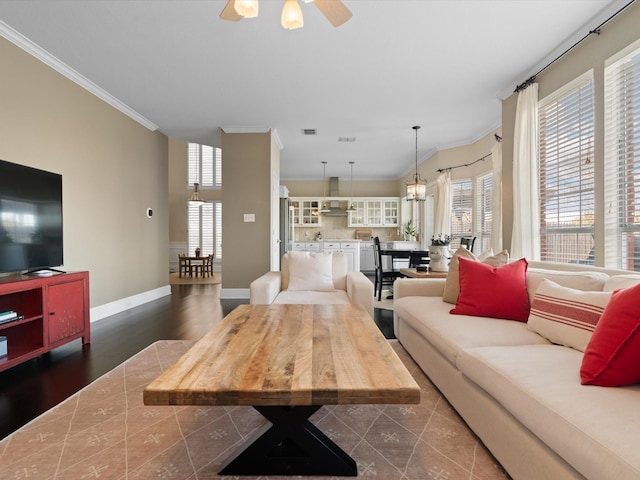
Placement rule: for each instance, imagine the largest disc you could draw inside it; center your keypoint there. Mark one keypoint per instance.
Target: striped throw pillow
(564, 315)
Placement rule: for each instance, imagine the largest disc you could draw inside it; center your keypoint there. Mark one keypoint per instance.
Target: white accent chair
(313, 278)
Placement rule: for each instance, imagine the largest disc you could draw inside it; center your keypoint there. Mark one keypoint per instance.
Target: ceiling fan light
(246, 8)
(291, 17)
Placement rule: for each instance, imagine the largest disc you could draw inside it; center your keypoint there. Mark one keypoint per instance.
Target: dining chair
(184, 265)
(468, 242)
(382, 276)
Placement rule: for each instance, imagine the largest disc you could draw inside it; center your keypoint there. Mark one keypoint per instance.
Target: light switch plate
(249, 217)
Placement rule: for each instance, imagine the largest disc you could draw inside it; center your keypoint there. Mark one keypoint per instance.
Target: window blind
(622, 160)
(483, 212)
(204, 165)
(566, 163)
(204, 228)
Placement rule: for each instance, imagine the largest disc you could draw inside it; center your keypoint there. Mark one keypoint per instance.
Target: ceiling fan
(334, 10)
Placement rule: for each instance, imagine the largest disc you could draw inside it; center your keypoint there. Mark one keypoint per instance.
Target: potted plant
(410, 231)
(439, 254)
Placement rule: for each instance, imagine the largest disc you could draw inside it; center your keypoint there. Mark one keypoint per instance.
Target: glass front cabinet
(305, 212)
(375, 212)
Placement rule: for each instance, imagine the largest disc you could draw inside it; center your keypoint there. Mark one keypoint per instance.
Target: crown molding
(45, 57)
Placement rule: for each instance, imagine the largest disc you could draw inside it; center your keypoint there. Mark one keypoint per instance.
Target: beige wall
(590, 54)
(113, 170)
(247, 167)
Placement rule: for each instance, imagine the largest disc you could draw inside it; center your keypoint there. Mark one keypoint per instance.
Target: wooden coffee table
(413, 273)
(287, 361)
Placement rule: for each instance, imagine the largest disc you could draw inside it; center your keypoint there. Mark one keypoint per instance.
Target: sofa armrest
(418, 287)
(263, 290)
(360, 290)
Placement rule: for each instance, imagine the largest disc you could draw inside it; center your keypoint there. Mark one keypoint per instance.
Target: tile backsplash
(335, 228)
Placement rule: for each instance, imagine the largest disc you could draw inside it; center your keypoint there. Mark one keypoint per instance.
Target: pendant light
(246, 8)
(291, 17)
(351, 207)
(323, 205)
(417, 190)
(195, 198)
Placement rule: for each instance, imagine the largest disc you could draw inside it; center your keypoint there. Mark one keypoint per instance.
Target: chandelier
(416, 189)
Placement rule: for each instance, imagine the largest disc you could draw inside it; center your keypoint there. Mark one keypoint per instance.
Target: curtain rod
(465, 165)
(498, 139)
(595, 31)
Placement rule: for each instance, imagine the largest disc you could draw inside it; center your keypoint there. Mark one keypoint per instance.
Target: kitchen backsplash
(335, 228)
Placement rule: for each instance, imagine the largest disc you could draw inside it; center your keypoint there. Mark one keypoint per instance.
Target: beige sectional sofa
(313, 278)
(520, 393)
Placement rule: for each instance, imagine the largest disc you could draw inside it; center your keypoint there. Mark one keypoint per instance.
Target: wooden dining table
(287, 361)
(191, 265)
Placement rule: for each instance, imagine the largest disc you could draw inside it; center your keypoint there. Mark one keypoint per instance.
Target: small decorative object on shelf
(439, 253)
(3, 346)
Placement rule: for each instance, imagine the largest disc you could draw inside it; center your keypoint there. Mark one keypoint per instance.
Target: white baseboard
(234, 293)
(117, 306)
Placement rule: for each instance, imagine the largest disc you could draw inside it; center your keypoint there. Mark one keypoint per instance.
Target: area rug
(384, 303)
(105, 432)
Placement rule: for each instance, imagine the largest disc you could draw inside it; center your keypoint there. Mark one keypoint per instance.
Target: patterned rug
(105, 432)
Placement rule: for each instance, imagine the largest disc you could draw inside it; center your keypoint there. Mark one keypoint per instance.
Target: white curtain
(496, 198)
(525, 241)
(443, 205)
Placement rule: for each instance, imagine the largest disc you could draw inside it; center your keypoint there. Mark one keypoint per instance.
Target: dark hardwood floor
(35, 386)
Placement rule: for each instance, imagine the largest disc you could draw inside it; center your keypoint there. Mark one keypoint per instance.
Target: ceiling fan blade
(334, 10)
(229, 13)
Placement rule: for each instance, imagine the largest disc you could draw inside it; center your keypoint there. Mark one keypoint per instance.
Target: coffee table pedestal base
(291, 445)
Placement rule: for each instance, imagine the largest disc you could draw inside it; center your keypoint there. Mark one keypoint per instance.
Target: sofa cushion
(339, 269)
(616, 282)
(592, 428)
(612, 357)
(577, 280)
(566, 316)
(452, 283)
(312, 297)
(498, 292)
(310, 271)
(451, 333)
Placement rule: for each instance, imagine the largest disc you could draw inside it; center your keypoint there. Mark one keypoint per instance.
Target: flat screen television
(30, 219)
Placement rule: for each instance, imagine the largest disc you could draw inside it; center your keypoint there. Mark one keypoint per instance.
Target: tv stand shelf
(53, 310)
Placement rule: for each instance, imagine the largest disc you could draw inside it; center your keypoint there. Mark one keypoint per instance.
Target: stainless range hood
(335, 210)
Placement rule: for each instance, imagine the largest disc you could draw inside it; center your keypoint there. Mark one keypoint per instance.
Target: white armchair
(311, 278)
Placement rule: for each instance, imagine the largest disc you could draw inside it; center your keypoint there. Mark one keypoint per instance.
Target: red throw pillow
(499, 292)
(612, 356)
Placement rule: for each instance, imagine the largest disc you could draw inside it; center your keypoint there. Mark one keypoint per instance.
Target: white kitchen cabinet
(367, 262)
(305, 212)
(305, 246)
(375, 212)
(350, 249)
(390, 212)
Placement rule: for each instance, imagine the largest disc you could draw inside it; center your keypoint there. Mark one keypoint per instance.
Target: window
(483, 212)
(622, 159)
(204, 165)
(566, 162)
(462, 214)
(205, 228)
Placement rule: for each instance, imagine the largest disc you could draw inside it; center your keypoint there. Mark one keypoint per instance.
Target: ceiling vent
(309, 131)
